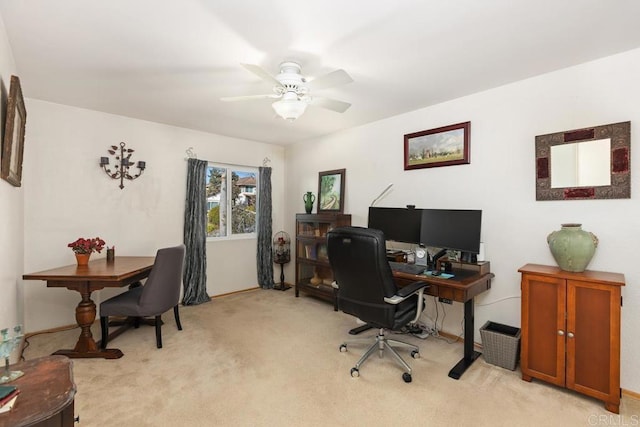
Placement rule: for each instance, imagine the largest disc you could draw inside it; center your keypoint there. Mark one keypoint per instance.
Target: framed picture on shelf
(443, 146)
(331, 191)
(13, 141)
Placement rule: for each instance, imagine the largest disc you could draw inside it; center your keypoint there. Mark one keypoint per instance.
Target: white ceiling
(170, 61)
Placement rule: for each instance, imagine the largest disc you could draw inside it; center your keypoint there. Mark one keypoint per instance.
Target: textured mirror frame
(620, 188)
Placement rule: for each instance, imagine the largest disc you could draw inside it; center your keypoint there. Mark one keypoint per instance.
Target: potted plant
(83, 248)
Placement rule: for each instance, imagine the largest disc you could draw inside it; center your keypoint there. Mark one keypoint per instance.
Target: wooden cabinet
(313, 272)
(571, 330)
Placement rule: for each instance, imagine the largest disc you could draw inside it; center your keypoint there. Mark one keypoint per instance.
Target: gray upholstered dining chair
(159, 294)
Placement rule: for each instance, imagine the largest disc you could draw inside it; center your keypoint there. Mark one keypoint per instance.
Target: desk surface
(99, 269)
(462, 287)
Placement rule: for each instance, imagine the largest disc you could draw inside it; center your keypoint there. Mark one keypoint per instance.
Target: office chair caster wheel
(355, 373)
(415, 354)
(343, 348)
(406, 377)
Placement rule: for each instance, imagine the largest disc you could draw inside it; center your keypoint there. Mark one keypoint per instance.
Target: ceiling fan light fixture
(289, 109)
(294, 90)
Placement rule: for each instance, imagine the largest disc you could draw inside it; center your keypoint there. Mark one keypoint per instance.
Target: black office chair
(366, 289)
(159, 294)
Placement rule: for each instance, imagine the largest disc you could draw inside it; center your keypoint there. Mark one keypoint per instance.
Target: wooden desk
(469, 280)
(97, 275)
(46, 396)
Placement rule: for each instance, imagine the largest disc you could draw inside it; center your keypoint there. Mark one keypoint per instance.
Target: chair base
(381, 344)
(135, 321)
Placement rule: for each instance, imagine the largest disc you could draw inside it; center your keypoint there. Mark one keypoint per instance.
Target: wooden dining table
(98, 274)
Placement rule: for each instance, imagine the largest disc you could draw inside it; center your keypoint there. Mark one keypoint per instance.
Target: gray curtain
(195, 235)
(264, 254)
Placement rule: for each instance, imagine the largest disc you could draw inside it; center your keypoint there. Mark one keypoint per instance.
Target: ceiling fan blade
(331, 104)
(260, 72)
(249, 97)
(334, 78)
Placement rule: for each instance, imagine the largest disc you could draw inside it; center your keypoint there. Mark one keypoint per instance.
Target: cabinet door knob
(560, 332)
(570, 334)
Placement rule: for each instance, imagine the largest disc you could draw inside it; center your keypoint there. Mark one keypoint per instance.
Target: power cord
(26, 343)
(438, 324)
(498, 300)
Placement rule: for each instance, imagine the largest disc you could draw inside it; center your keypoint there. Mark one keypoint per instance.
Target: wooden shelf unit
(311, 253)
(571, 330)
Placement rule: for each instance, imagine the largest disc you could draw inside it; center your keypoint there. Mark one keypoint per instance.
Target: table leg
(85, 316)
(470, 355)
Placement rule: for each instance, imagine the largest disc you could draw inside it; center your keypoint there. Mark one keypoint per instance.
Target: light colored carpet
(266, 358)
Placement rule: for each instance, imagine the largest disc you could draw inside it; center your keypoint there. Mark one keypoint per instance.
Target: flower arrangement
(87, 246)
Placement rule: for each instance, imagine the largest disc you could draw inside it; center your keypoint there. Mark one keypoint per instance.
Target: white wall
(500, 180)
(11, 209)
(67, 195)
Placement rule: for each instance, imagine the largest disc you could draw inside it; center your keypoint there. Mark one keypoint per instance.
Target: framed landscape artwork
(331, 191)
(13, 143)
(443, 146)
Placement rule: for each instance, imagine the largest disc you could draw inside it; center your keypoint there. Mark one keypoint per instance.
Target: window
(232, 193)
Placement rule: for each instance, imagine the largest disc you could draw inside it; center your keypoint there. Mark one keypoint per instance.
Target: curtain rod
(192, 155)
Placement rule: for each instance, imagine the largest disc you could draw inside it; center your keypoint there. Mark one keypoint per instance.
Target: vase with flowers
(83, 248)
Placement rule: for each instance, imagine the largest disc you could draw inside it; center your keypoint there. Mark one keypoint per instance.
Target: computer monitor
(456, 229)
(397, 224)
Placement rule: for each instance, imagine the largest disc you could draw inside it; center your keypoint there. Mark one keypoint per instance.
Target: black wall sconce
(122, 164)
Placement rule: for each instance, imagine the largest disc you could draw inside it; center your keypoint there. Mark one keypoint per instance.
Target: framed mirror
(590, 163)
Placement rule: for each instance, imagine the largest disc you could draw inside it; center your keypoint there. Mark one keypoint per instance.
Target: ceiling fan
(293, 90)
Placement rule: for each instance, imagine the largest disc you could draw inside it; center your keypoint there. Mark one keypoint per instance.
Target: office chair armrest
(406, 292)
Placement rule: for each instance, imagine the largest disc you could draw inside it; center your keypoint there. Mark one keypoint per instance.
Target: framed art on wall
(13, 143)
(331, 191)
(443, 146)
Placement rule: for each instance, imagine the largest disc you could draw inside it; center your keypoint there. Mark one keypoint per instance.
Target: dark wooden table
(97, 275)
(47, 394)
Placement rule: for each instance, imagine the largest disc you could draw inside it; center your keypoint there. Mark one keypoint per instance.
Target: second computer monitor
(456, 229)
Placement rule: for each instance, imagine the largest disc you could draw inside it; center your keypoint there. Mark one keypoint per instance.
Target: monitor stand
(433, 262)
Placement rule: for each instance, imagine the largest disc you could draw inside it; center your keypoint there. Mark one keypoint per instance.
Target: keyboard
(403, 267)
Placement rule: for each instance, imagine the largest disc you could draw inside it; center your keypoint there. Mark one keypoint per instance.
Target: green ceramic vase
(308, 198)
(572, 247)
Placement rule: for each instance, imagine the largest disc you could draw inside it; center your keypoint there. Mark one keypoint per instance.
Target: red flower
(87, 246)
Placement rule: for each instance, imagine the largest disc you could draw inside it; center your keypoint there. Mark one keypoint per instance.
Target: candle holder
(7, 345)
(111, 255)
(122, 164)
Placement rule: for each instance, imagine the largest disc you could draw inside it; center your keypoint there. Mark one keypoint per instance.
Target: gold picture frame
(13, 141)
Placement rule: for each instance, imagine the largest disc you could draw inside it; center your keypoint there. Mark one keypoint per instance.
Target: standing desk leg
(470, 355)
